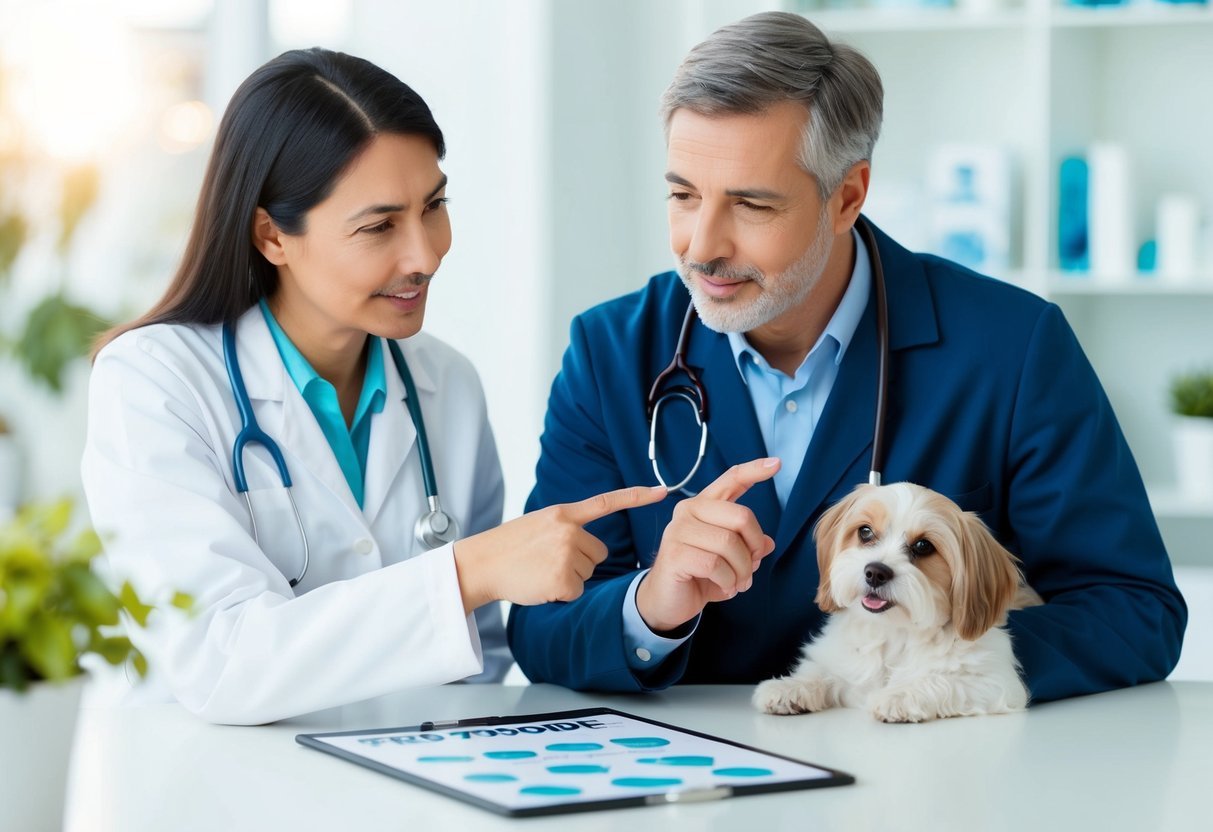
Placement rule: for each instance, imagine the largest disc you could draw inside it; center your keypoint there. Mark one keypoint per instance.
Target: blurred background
(1062, 146)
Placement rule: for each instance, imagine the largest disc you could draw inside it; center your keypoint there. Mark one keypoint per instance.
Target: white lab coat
(374, 613)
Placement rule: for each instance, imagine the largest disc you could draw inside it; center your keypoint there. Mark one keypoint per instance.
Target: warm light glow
(184, 126)
(68, 68)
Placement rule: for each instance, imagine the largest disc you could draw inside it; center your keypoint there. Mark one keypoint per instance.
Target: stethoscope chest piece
(436, 528)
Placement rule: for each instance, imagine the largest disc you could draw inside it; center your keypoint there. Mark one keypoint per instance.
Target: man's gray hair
(772, 57)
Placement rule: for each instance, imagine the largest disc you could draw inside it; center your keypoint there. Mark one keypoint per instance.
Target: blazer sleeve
(251, 652)
(1085, 532)
(580, 644)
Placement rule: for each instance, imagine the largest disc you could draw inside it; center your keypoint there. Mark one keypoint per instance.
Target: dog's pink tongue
(873, 602)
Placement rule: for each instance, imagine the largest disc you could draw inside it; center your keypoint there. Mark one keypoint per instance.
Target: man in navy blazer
(770, 129)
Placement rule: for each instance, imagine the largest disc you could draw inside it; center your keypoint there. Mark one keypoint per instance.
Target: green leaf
(14, 672)
(131, 603)
(56, 333)
(23, 599)
(140, 663)
(182, 601)
(113, 649)
(92, 599)
(85, 547)
(49, 649)
(48, 520)
(13, 232)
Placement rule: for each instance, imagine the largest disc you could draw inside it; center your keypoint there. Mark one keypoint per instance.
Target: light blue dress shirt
(349, 444)
(788, 408)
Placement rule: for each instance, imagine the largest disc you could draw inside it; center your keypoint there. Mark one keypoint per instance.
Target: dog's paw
(903, 706)
(791, 696)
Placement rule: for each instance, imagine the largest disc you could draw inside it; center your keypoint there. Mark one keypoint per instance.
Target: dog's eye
(921, 548)
(866, 535)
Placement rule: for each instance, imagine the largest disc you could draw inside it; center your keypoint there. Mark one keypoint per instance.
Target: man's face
(747, 224)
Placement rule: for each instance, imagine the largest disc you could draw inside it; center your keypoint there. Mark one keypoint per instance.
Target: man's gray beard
(790, 288)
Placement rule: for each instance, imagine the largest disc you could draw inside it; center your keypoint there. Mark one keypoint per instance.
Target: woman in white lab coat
(320, 224)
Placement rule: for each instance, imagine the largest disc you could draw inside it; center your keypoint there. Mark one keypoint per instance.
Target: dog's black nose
(877, 574)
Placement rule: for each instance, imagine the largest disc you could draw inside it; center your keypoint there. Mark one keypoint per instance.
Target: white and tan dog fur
(917, 591)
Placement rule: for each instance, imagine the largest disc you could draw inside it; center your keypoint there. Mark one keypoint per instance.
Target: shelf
(1169, 503)
(1152, 14)
(843, 21)
(1060, 284)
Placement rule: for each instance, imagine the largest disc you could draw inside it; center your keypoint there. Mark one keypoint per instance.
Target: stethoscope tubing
(696, 395)
(434, 527)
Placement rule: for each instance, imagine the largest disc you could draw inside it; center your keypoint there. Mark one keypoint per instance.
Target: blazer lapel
(393, 433)
(844, 433)
(733, 433)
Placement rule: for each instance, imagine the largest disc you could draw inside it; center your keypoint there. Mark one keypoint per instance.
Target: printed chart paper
(588, 757)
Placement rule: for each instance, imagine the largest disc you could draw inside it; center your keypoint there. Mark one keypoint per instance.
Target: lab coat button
(643, 655)
(364, 546)
(791, 406)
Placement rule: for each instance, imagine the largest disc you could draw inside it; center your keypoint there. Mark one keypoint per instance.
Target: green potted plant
(10, 471)
(53, 610)
(1192, 404)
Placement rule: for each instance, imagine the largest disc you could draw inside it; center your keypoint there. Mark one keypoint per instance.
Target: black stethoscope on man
(694, 394)
(434, 527)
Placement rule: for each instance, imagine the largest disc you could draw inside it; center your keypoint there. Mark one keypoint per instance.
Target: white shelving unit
(1045, 81)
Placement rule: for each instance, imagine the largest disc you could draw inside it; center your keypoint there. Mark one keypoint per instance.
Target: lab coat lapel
(282, 412)
(733, 433)
(844, 432)
(393, 435)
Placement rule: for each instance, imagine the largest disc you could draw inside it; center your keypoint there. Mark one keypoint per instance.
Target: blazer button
(364, 546)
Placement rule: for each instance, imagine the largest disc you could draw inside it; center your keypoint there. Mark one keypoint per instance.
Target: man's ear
(267, 237)
(847, 200)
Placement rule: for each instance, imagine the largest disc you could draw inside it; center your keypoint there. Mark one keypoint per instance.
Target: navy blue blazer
(991, 402)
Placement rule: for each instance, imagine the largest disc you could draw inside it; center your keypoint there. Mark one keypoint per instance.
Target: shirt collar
(374, 384)
(842, 324)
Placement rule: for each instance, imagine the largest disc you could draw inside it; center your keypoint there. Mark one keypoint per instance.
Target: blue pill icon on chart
(641, 742)
(678, 761)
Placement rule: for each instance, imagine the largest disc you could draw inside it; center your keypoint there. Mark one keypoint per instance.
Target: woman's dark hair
(287, 135)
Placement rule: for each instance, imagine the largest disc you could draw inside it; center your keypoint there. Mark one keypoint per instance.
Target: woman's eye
(921, 548)
(866, 535)
(386, 225)
(437, 203)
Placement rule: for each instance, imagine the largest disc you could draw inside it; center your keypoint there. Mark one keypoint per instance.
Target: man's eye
(754, 207)
(921, 548)
(866, 535)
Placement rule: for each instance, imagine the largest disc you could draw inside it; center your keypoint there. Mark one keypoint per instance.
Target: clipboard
(571, 761)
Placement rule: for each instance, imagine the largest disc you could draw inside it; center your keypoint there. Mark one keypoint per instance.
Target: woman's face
(367, 253)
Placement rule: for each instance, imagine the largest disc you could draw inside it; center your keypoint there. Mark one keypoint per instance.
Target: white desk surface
(1137, 759)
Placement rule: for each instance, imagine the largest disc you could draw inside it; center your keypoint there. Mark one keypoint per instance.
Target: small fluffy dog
(918, 593)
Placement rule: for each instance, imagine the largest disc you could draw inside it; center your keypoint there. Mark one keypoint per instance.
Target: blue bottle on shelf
(1072, 222)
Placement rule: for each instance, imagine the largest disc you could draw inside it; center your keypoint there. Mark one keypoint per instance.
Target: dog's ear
(829, 534)
(985, 584)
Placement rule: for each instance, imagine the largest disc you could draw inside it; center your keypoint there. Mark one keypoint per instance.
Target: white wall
(483, 69)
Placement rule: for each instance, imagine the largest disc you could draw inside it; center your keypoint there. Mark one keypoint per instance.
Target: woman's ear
(267, 237)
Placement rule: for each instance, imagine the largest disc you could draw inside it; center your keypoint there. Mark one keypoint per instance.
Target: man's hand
(709, 551)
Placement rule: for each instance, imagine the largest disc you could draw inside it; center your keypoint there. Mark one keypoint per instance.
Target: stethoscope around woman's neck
(434, 527)
(694, 393)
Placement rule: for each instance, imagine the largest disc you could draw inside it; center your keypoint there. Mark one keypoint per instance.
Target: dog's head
(910, 553)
